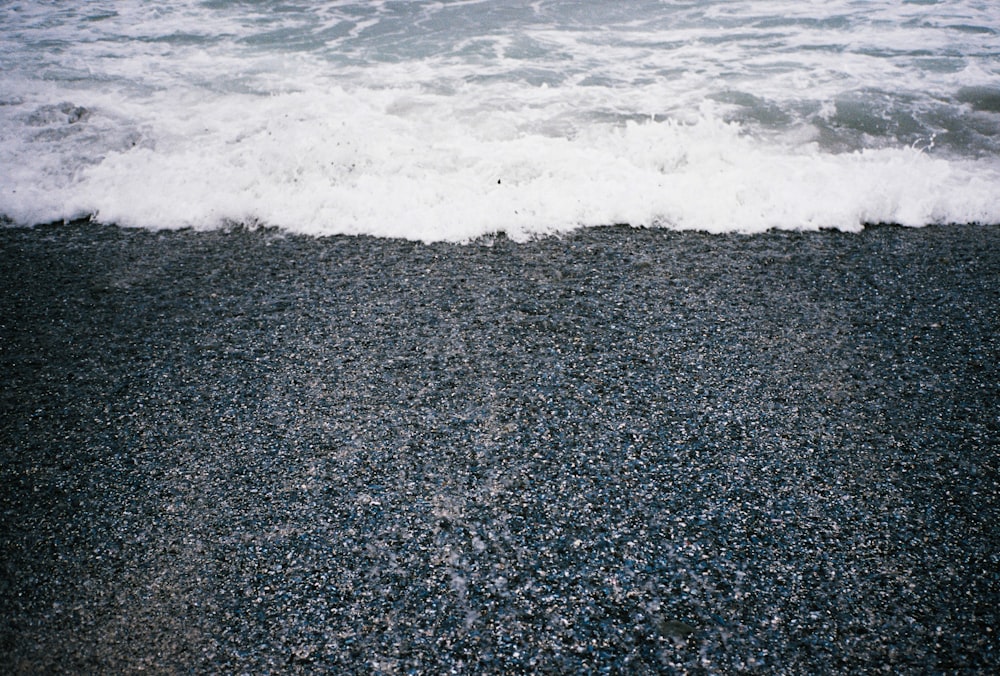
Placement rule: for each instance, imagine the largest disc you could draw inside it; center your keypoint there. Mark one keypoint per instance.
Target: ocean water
(450, 119)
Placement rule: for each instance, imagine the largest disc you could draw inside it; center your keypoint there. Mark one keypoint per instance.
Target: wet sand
(622, 450)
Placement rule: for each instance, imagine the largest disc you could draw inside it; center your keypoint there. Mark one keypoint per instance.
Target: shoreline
(611, 449)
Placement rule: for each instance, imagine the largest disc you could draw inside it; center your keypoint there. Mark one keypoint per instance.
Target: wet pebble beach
(617, 451)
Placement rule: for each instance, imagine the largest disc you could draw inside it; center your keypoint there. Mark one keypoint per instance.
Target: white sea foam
(452, 120)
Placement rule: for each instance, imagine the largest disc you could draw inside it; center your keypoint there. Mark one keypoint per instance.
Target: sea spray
(447, 121)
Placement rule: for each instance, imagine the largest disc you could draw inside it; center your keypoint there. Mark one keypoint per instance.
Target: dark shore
(624, 451)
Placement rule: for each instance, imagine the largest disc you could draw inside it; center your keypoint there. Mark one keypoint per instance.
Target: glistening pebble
(620, 450)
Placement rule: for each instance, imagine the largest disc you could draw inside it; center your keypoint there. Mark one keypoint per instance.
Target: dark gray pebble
(626, 451)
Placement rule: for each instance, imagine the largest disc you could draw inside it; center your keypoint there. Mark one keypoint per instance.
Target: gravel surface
(620, 451)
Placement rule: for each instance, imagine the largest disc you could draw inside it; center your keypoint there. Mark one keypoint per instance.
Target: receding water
(448, 120)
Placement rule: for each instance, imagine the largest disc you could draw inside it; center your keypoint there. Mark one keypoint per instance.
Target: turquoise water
(449, 120)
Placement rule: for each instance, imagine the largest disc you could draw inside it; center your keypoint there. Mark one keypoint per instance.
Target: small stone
(302, 653)
(674, 628)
